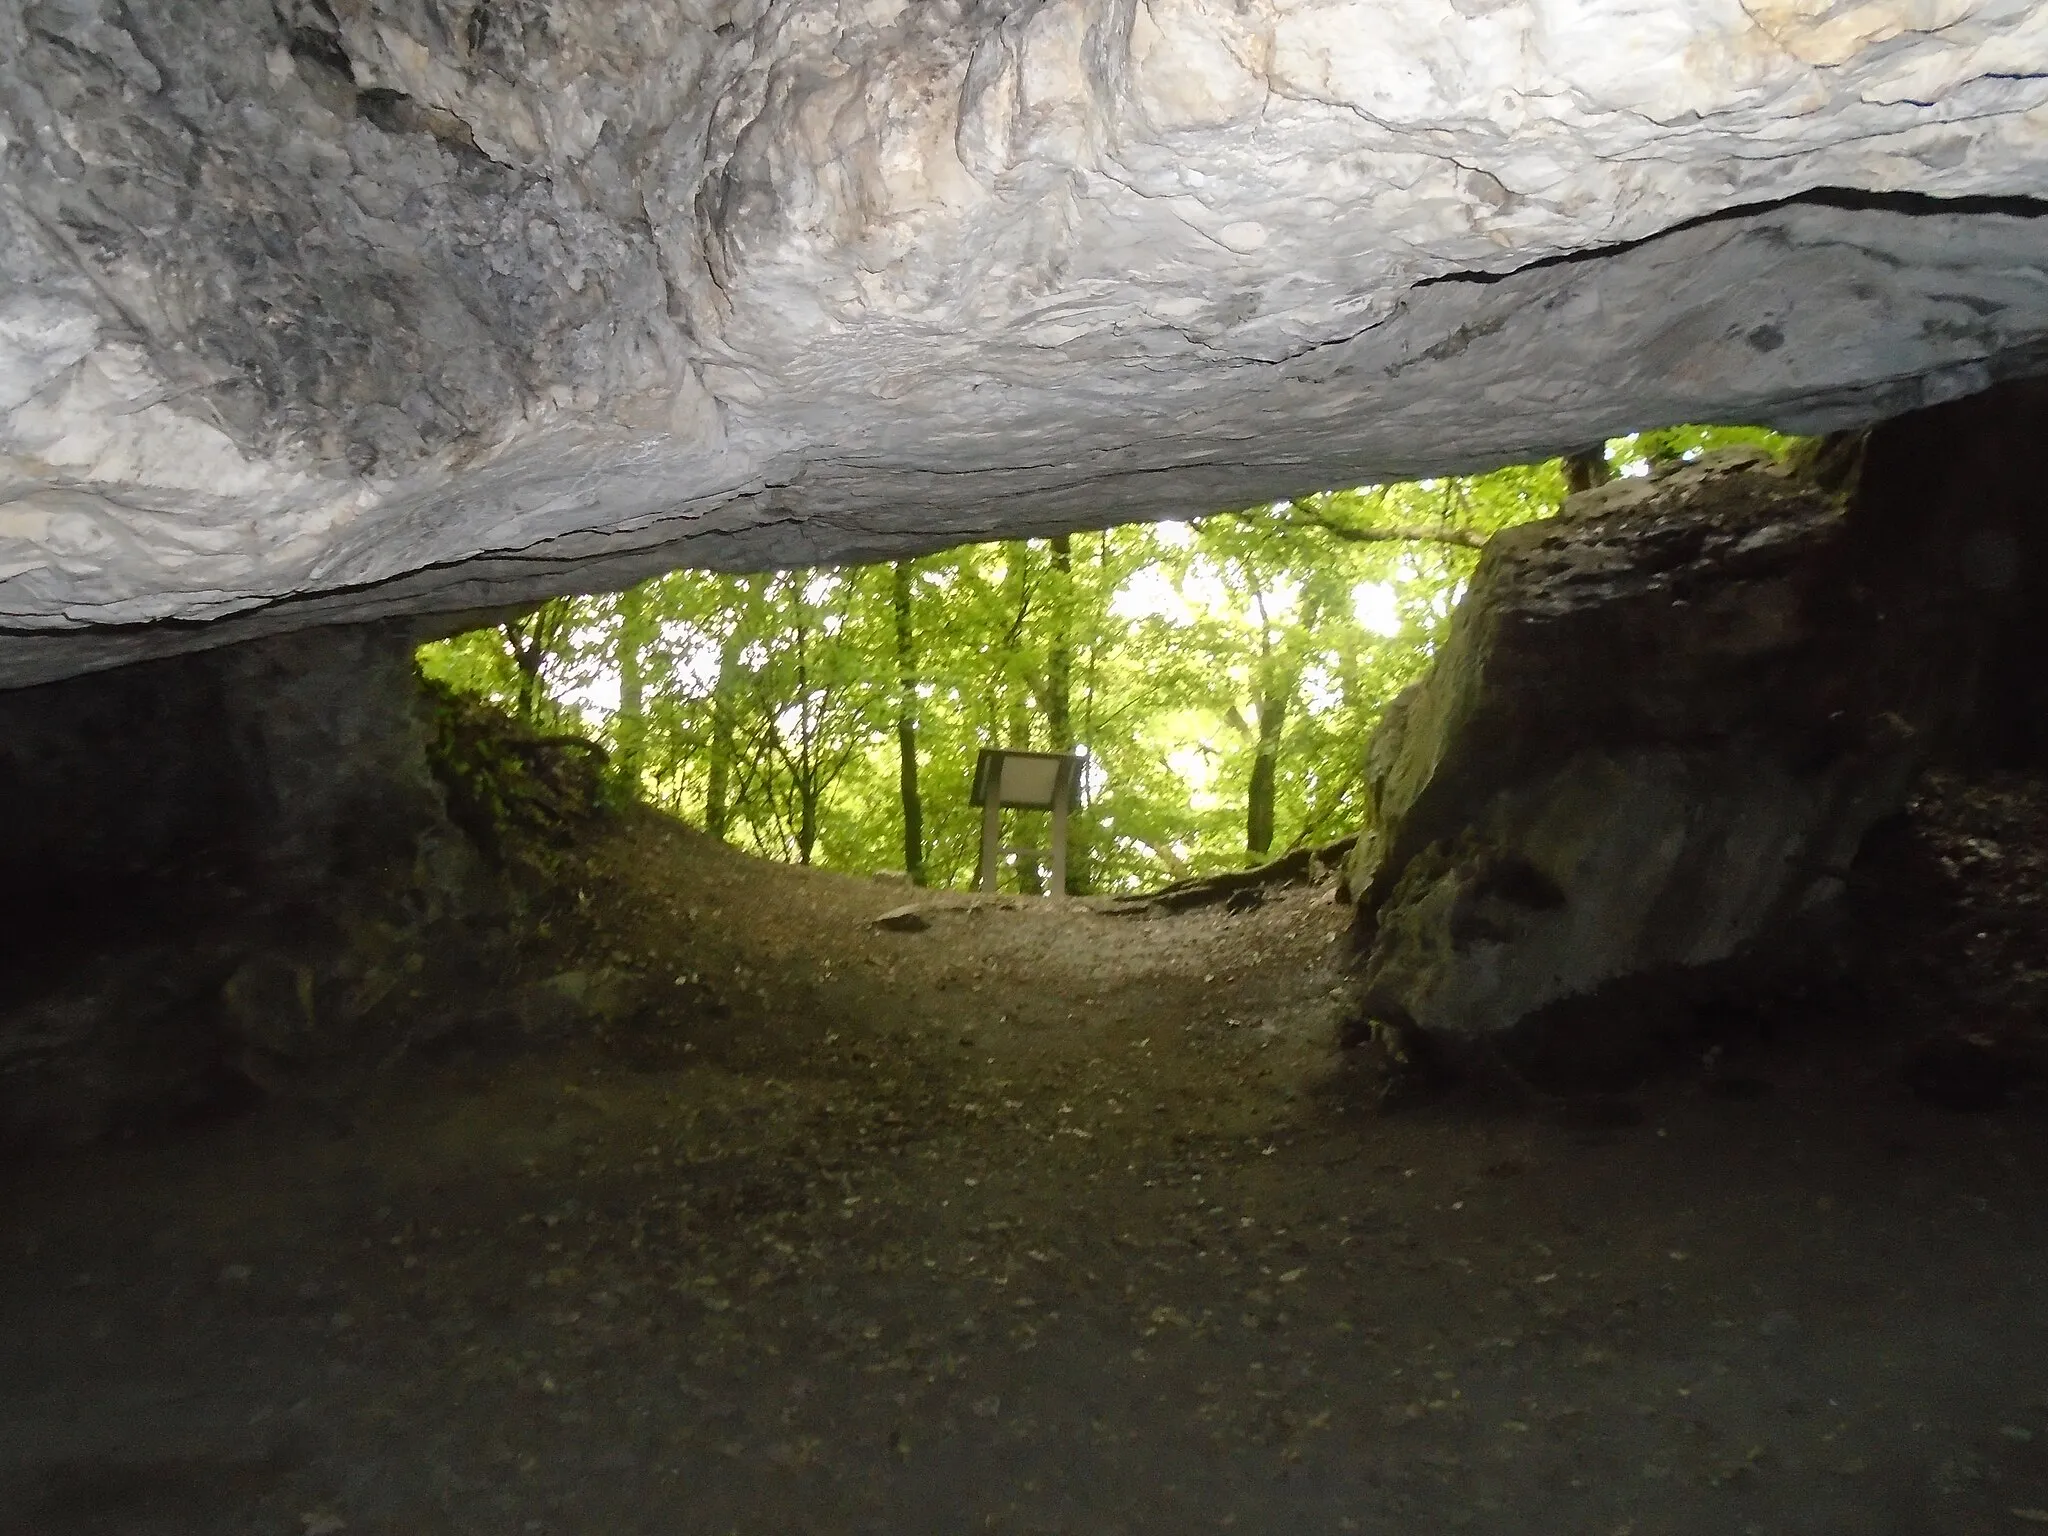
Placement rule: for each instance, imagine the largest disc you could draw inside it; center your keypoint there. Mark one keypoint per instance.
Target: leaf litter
(1010, 1223)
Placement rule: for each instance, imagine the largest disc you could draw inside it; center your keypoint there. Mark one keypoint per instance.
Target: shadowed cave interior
(407, 1133)
(1625, 1117)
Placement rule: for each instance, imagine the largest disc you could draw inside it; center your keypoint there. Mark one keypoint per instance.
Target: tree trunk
(629, 733)
(529, 693)
(807, 820)
(1084, 832)
(521, 639)
(529, 640)
(1059, 676)
(718, 771)
(1059, 652)
(1030, 879)
(1030, 873)
(1258, 818)
(1585, 469)
(1279, 681)
(804, 765)
(906, 726)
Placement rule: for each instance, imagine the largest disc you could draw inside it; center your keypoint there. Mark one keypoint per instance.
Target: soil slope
(1045, 1219)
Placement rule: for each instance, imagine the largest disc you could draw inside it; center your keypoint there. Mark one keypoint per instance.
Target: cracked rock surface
(1662, 724)
(1631, 792)
(331, 309)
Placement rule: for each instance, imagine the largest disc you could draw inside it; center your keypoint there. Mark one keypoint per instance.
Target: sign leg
(1057, 885)
(991, 840)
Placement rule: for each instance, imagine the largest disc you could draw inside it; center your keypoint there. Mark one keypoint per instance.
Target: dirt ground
(1047, 1219)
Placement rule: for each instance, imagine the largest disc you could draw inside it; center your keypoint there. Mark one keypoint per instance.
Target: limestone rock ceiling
(331, 308)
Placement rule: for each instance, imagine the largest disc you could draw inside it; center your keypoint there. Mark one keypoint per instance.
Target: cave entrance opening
(642, 1182)
(1216, 676)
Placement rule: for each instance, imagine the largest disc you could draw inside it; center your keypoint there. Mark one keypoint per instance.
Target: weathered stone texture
(336, 308)
(1658, 732)
(216, 867)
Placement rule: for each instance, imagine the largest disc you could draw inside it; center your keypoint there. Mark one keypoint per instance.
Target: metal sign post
(1024, 781)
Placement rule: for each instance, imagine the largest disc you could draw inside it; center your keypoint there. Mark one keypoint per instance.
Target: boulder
(1646, 755)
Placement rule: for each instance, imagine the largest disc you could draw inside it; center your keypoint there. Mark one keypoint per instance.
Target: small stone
(908, 919)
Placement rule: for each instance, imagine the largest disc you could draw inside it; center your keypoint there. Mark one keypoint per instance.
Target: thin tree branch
(1392, 533)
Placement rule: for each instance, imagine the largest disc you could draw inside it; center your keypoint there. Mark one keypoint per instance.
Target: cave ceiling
(335, 309)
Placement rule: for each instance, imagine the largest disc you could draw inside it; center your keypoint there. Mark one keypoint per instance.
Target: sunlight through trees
(1220, 676)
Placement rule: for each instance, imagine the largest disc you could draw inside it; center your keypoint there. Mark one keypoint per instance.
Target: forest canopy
(1219, 676)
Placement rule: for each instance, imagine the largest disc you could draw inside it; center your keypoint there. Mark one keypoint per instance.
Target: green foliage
(511, 790)
(519, 665)
(1222, 676)
(1668, 444)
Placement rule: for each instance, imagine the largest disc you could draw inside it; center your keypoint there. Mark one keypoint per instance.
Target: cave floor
(1041, 1219)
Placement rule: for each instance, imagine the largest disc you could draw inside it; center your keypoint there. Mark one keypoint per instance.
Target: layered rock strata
(327, 309)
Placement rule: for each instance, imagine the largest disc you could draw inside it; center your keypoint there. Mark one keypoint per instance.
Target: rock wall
(1662, 724)
(1956, 494)
(332, 309)
(217, 867)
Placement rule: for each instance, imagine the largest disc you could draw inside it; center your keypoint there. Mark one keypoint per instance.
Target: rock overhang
(324, 312)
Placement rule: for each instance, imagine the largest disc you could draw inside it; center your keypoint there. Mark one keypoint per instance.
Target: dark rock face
(1650, 749)
(290, 763)
(1955, 495)
(217, 866)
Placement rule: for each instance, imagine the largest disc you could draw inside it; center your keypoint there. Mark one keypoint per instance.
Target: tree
(902, 611)
(630, 658)
(533, 640)
(1585, 469)
(1221, 677)
(724, 711)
